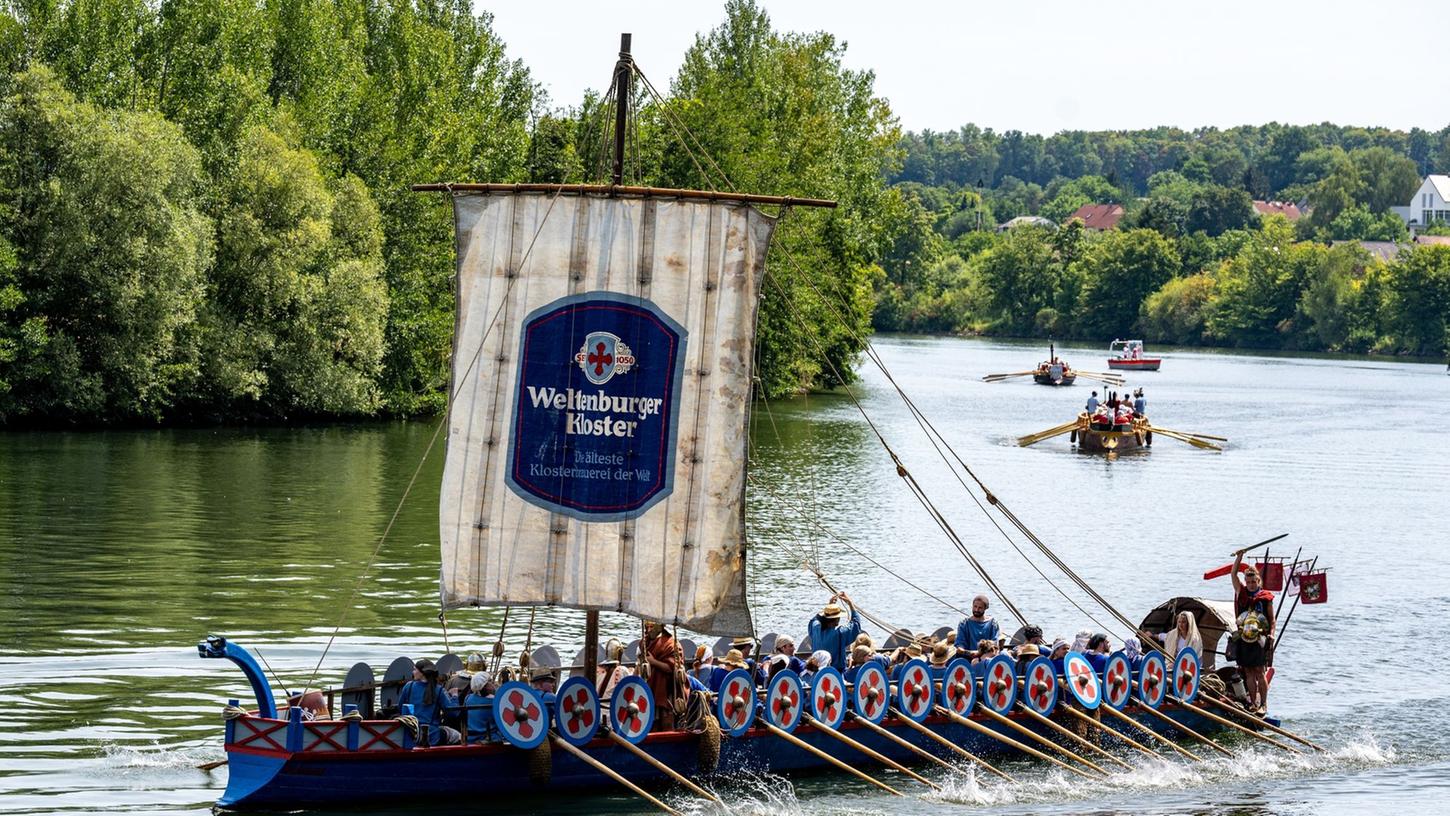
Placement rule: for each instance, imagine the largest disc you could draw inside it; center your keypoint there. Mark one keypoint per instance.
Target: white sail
(602, 372)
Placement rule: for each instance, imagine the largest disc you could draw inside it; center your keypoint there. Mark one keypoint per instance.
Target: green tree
(1390, 177)
(1176, 312)
(1121, 269)
(1077, 192)
(299, 305)
(1258, 289)
(1359, 224)
(1022, 274)
(1419, 299)
(103, 211)
(1330, 294)
(1216, 210)
(779, 113)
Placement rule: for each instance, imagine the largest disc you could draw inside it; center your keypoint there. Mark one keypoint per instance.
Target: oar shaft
(1154, 734)
(1231, 724)
(1260, 721)
(1072, 735)
(953, 746)
(807, 747)
(876, 755)
(612, 774)
(662, 767)
(1028, 732)
(915, 749)
(1185, 729)
(1006, 740)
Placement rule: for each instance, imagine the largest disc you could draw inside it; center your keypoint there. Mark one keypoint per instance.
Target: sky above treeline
(1050, 65)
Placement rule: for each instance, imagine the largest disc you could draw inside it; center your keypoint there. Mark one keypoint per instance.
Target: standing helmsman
(972, 630)
(1254, 611)
(829, 634)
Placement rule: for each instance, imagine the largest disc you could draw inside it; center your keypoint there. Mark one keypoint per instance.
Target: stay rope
(938, 441)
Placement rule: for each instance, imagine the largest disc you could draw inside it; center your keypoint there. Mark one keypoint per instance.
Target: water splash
(155, 756)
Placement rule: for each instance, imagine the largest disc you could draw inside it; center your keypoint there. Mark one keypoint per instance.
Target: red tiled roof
(1443, 240)
(1288, 209)
(1098, 216)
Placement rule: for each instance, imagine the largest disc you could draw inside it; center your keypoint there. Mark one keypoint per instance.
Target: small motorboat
(1128, 355)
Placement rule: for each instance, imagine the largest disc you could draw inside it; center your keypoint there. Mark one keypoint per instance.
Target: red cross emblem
(1041, 688)
(578, 713)
(736, 706)
(520, 714)
(785, 702)
(1001, 686)
(599, 358)
(958, 692)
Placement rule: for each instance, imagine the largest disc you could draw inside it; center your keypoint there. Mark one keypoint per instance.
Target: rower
(1092, 404)
(827, 632)
(977, 627)
(1098, 649)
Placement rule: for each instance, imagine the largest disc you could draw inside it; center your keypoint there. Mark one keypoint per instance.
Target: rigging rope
(682, 131)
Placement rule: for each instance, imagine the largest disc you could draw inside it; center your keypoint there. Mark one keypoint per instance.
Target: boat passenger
(1033, 634)
(828, 633)
(428, 701)
(1026, 653)
(1080, 641)
(1184, 633)
(941, 652)
(731, 661)
(1092, 404)
(986, 650)
(1098, 649)
(818, 660)
(899, 658)
(1140, 405)
(1133, 651)
(703, 667)
(1058, 654)
(861, 654)
(479, 708)
(663, 658)
(978, 627)
(609, 672)
(1251, 600)
(785, 647)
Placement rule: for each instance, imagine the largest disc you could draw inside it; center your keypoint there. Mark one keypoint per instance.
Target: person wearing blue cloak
(429, 702)
(976, 628)
(829, 634)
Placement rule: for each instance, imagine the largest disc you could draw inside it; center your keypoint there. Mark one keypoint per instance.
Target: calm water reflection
(119, 550)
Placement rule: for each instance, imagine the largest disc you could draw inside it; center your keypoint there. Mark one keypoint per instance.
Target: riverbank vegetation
(205, 213)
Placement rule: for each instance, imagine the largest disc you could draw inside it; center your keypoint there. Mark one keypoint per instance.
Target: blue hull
(278, 779)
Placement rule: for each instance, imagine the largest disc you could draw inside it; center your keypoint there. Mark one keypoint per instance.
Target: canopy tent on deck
(1214, 619)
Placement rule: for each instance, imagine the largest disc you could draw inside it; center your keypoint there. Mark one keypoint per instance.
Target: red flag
(1219, 572)
(1314, 588)
(1273, 574)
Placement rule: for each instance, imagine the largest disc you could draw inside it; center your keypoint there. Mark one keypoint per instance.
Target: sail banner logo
(586, 440)
(602, 356)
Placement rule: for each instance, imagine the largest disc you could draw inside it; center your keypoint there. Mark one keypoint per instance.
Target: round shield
(359, 677)
(449, 664)
(999, 684)
(899, 638)
(913, 692)
(399, 672)
(803, 646)
(1185, 674)
(735, 705)
(687, 648)
(1117, 681)
(544, 657)
(767, 643)
(576, 714)
(631, 652)
(1039, 686)
(577, 667)
(870, 696)
(1152, 680)
(783, 700)
(828, 697)
(632, 711)
(1082, 682)
(959, 687)
(519, 715)
(943, 633)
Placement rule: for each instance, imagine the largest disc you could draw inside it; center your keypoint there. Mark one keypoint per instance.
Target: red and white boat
(1128, 354)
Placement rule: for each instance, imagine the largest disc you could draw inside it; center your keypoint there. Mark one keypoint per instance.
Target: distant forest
(1191, 261)
(205, 212)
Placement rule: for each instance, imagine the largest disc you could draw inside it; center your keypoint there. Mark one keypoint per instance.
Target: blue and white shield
(598, 357)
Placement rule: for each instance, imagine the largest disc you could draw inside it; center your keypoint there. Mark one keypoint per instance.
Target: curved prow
(216, 646)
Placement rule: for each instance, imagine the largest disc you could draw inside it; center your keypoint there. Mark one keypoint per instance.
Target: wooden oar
(211, 766)
(1072, 735)
(876, 755)
(662, 767)
(1006, 740)
(610, 772)
(1154, 734)
(1110, 379)
(1256, 720)
(1197, 443)
(996, 377)
(1041, 740)
(1231, 724)
(954, 747)
(1110, 730)
(1185, 729)
(806, 746)
(1033, 439)
(916, 749)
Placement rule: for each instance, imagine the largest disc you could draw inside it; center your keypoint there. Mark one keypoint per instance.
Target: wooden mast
(623, 86)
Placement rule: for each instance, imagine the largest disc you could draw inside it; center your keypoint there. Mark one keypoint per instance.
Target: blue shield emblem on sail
(596, 406)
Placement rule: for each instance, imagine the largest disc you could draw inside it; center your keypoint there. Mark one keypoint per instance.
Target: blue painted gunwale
(274, 779)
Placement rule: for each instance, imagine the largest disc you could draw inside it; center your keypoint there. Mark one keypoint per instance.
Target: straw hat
(742, 641)
(1028, 650)
(940, 653)
(914, 649)
(831, 610)
(734, 659)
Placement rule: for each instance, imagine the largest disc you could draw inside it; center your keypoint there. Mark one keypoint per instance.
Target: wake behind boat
(596, 460)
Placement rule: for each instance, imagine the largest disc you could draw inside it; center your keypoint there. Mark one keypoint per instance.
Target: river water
(121, 549)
